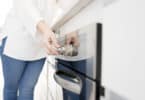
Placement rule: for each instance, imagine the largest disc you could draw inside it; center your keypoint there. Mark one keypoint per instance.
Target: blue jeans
(20, 77)
(77, 65)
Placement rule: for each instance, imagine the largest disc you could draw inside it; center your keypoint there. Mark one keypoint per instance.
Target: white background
(5, 5)
(124, 48)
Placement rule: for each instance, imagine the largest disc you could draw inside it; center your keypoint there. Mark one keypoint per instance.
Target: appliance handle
(69, 81)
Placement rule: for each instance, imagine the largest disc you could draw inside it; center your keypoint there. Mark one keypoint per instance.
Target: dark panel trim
(98, 59)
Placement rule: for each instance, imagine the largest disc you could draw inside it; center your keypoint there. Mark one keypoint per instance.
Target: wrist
(43, 28)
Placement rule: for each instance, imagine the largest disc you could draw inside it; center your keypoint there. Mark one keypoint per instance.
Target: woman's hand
(73, 38)
(50, 43)
(48, 38)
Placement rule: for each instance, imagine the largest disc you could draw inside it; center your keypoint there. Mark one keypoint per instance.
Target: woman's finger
(54, 41)
(68, 40)
(51, 49)
(76, 42)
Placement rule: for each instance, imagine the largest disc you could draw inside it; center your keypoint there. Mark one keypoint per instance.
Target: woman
(29, 40)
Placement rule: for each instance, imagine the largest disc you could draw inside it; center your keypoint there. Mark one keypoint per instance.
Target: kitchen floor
(46, 88)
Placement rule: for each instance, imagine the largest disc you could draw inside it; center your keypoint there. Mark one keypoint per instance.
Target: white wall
(91, 14)
(124, 48)
(5, 6)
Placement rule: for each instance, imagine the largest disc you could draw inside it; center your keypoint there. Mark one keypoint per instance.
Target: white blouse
(23, 40)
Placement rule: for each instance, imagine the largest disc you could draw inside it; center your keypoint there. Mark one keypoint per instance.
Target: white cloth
(23, 41)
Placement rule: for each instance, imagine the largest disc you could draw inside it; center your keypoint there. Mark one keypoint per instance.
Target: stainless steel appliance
(82, 81)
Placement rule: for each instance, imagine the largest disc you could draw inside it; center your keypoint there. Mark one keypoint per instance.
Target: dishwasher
(83, 81)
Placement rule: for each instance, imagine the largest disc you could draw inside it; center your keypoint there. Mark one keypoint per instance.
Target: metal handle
(69, 81)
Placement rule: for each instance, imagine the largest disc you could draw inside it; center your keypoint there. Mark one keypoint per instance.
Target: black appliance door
(75, 86)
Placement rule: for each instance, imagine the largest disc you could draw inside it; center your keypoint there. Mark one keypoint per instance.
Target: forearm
(43, 27)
